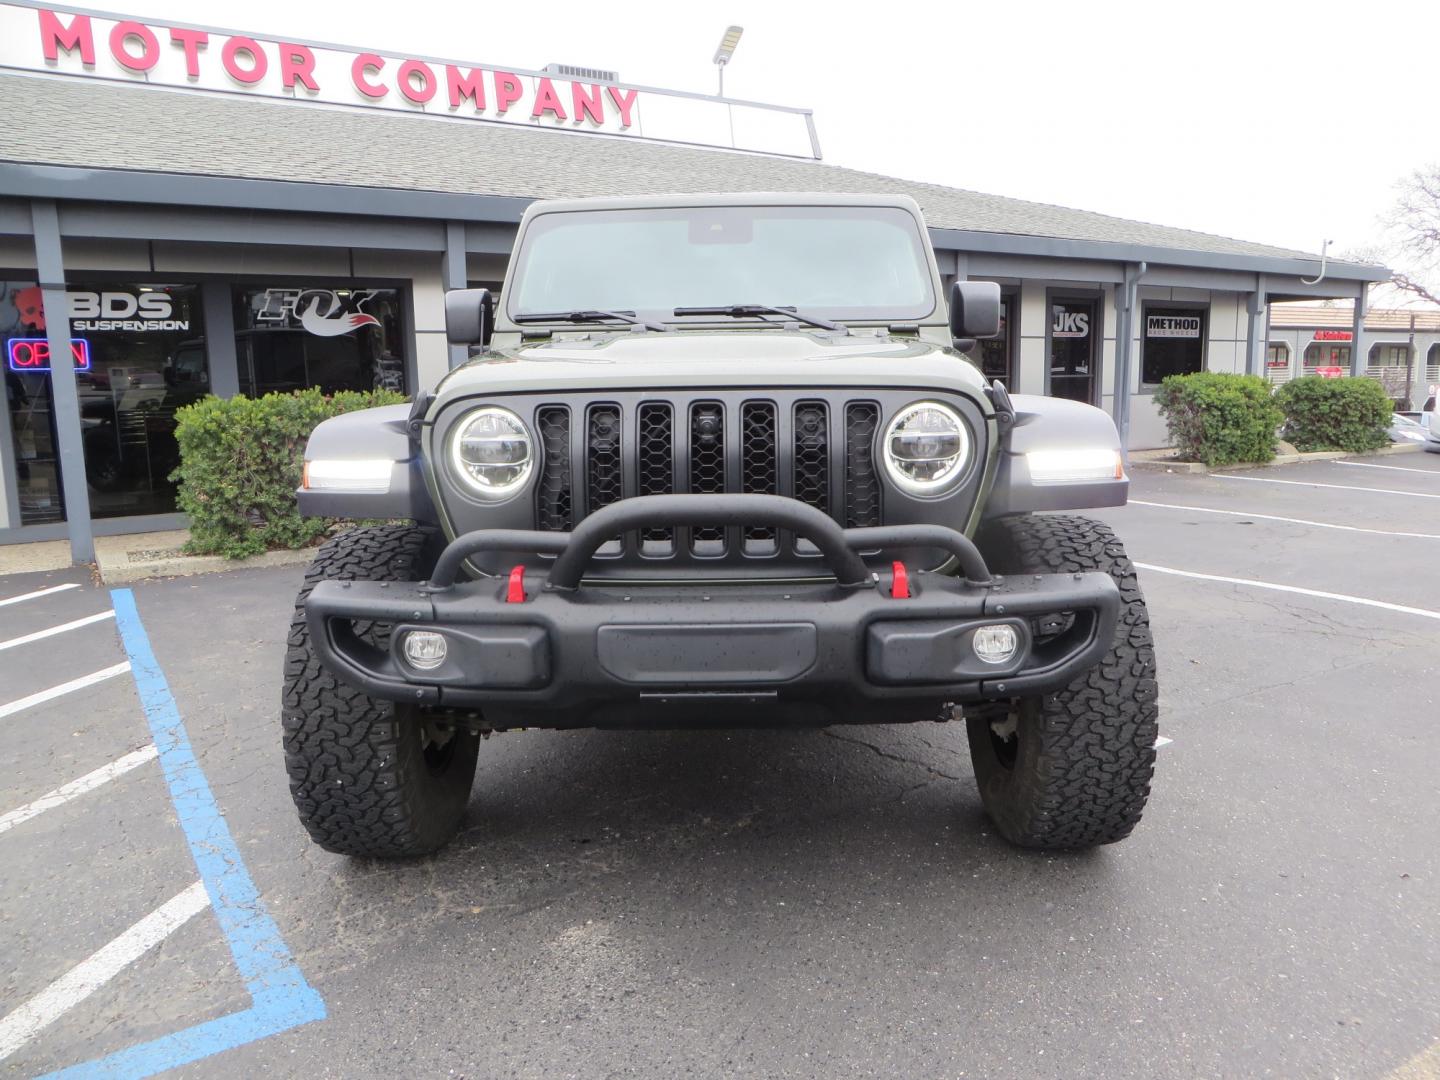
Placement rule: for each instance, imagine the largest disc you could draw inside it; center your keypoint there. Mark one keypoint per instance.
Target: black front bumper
(684, 655)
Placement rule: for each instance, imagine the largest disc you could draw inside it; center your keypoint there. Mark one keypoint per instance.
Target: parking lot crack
(891, 756)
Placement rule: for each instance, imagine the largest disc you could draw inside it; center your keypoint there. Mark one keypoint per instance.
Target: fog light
(424, 649)
(995, 644)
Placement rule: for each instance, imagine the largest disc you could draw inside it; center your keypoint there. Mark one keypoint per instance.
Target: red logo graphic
(31, 306)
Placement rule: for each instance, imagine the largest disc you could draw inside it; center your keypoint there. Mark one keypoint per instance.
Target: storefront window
(1277, 362)
(1389, 365)
(1073, 331)
(1173, 343)
(335, 338)
(139, 354)
(995, 352)
(1386, 354)
(1325, 358)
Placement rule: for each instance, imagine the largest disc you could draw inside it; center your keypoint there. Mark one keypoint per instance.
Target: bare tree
(1413, 234)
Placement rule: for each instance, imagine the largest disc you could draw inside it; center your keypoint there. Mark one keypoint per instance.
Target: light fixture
(492, 452)
(355, 475)
(425, 649)
(995, 643)
(726, 51)
(1075, 465)
(926, 448)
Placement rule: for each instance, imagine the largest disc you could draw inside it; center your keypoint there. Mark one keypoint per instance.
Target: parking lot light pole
(726, 51)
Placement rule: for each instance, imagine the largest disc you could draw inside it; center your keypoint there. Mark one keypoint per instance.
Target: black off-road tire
(1071, 769)
(369, 777)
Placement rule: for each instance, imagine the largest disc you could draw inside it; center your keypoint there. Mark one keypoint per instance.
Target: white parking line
(63, 689)
(1338, 487)
(52, 631)
(1292, 521)
(89, 782)
(100, 967)
(1392, 468)
(38, 593)
(1424, 613)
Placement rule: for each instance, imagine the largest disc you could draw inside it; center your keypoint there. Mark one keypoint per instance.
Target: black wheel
(370, 777)
(102, 470)
(1070, 769)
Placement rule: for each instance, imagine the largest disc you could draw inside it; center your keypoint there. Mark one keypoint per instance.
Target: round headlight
(926, 448)
(492, 452)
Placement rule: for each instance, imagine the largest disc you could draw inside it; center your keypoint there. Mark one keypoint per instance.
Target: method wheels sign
(1173, 326)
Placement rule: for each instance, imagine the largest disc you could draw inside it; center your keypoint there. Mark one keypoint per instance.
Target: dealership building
(186, 211)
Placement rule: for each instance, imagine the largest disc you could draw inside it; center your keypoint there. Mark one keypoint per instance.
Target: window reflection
(140, 355)
(335, 338)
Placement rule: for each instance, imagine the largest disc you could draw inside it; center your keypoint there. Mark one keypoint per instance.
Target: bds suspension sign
(62, 41)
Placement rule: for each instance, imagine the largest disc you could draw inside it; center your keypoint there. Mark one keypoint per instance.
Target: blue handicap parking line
(280, 997)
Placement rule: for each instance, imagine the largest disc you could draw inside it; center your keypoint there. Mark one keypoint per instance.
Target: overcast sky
(1285, 123)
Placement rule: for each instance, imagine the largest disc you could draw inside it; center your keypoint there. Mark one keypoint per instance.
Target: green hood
(714, 358)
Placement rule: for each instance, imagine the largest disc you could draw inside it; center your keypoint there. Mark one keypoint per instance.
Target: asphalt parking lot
(757, 903)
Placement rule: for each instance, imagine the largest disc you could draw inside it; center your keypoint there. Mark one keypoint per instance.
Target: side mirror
(974, 309)
(469, 316)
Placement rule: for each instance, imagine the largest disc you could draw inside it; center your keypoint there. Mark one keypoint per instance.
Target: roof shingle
(85, 122)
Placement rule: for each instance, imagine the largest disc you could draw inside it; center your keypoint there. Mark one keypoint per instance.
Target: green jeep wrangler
(718, 461)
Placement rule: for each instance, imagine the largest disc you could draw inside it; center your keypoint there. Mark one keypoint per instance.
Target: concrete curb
(117, 567)
(1144, 462)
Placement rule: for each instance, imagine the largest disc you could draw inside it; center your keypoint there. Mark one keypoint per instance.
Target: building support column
(1357, 357)
(220, 351)
(1126, 299)
(1256, 336)
(453, 276)
(64, 397)
(9, 469)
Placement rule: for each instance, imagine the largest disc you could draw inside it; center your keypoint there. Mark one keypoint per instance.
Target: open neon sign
(33, 354)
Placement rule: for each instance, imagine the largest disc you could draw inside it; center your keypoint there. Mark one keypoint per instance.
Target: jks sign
(42, 38)
(1172, 326)
(322, 312)
(140, 313)
(1069, 324)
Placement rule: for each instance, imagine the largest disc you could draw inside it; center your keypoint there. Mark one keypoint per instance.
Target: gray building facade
(195, 242)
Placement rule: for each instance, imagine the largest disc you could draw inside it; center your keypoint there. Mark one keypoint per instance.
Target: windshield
(840, 262)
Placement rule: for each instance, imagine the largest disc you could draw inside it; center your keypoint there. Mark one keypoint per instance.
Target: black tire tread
(1084, 777)
(356, 773)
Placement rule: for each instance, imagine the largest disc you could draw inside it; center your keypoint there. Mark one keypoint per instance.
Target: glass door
(1073, 329)
(36, 454)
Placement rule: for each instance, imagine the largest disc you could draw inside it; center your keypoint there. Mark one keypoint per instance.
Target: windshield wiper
(589, 316)
(741, 311)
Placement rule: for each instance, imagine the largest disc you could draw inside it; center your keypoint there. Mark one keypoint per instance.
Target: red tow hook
(515, 592)
(899, 582)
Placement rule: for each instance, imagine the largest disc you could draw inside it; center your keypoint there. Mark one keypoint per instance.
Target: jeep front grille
(862, 483)
(759, 467)
(552, 492)
(817, 451)
(707, 467)
(656, 456)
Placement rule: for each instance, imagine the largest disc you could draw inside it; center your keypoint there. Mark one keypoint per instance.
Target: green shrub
(1350, 414)
(240, 463)
(1218, 418)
